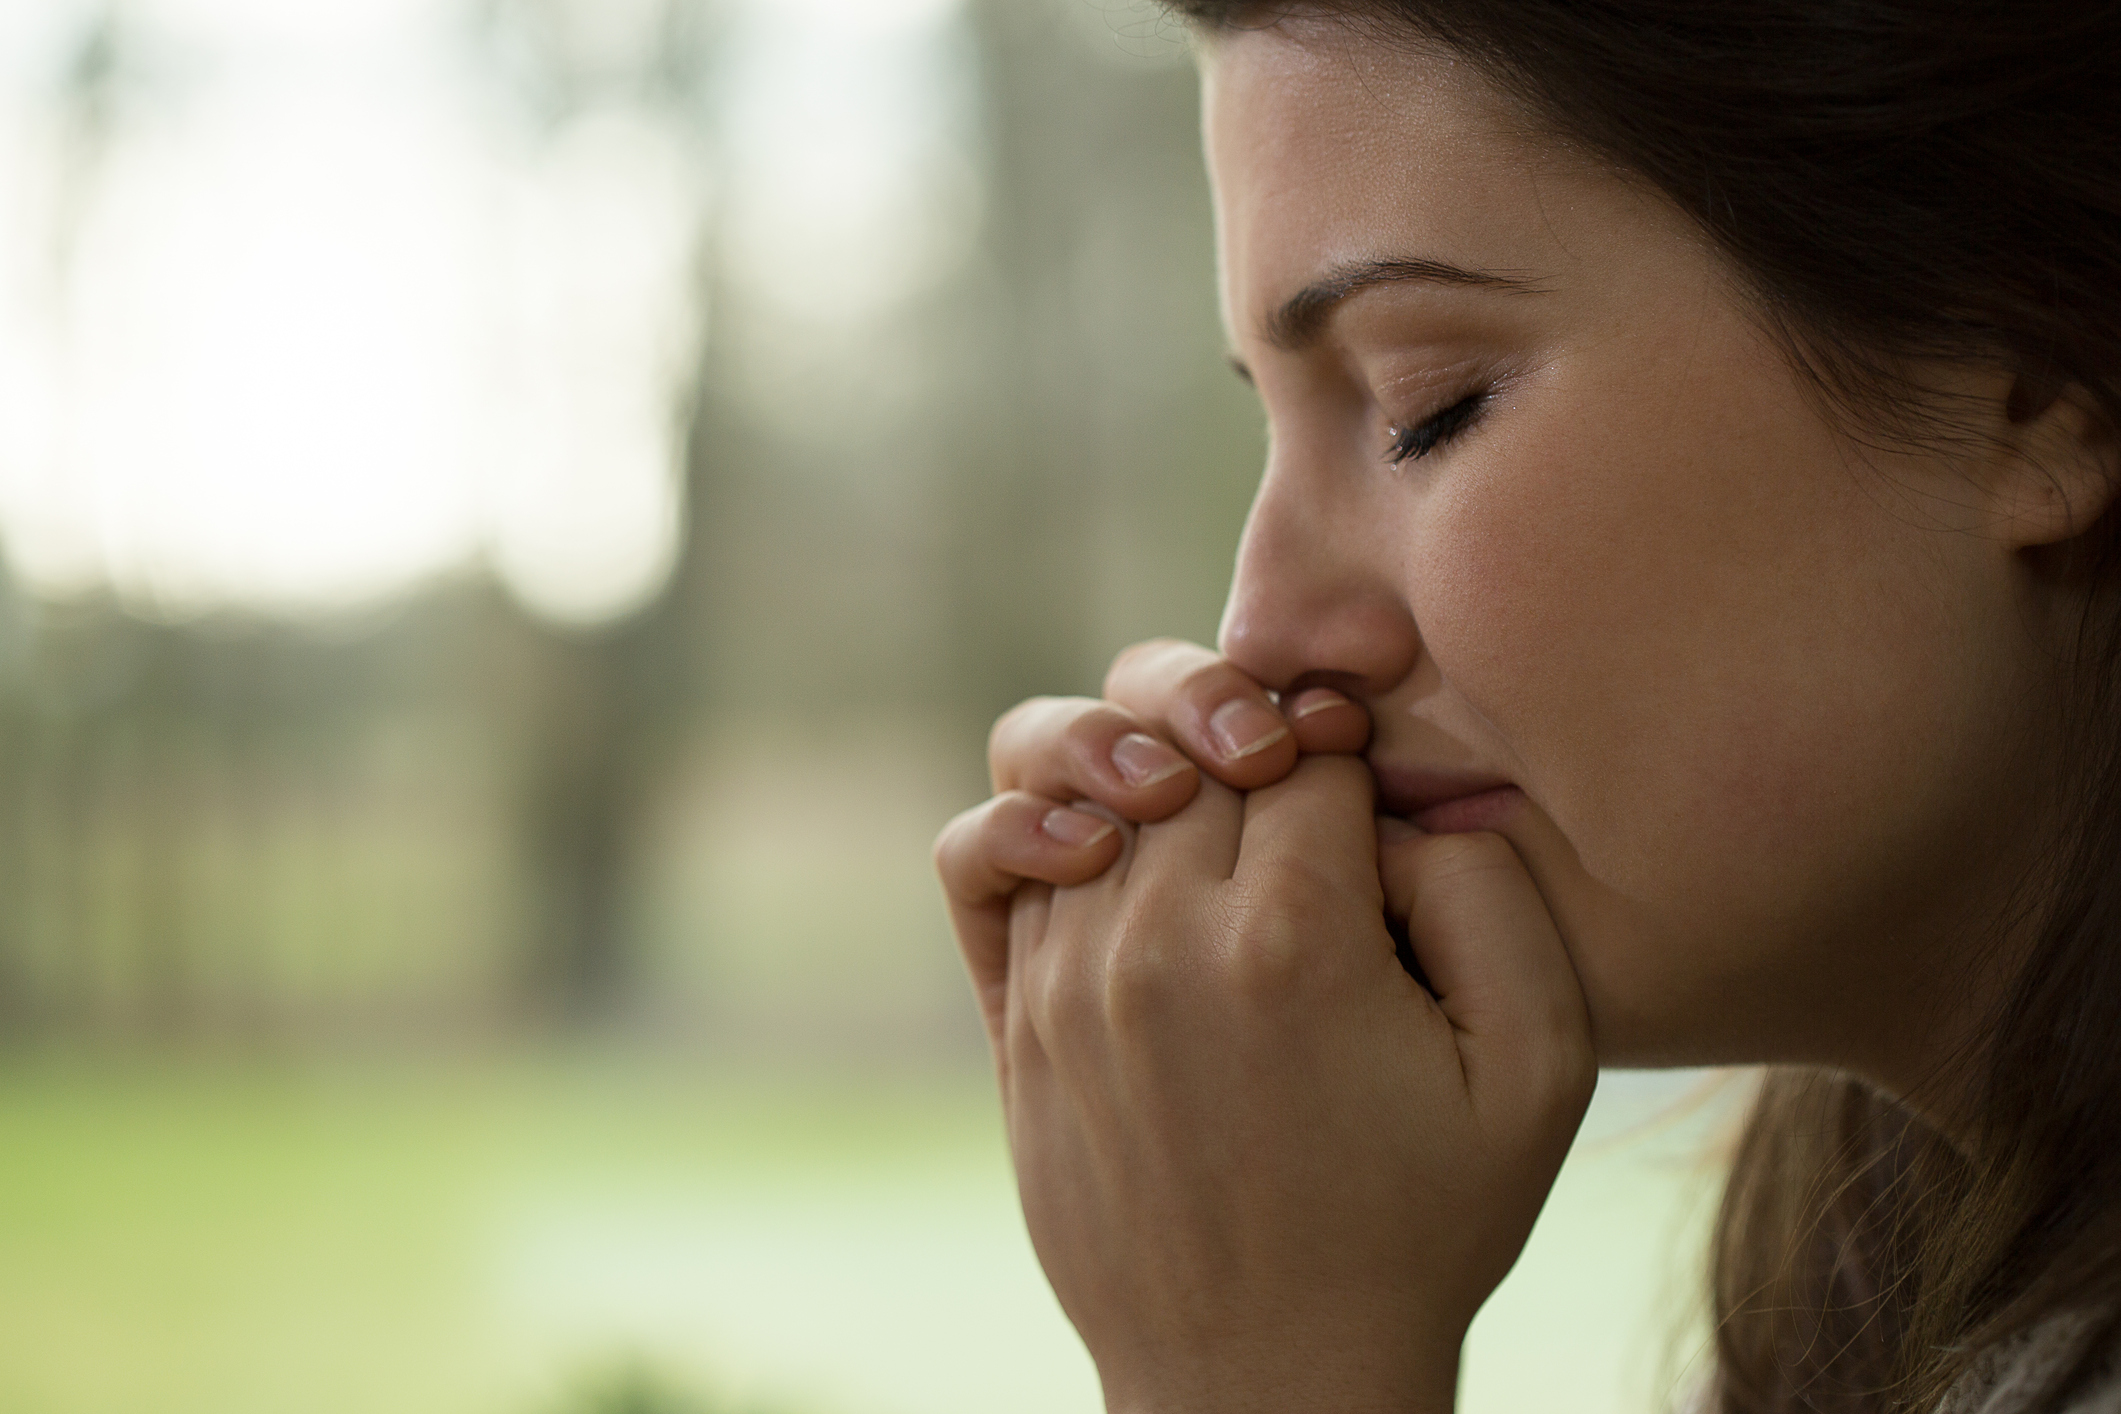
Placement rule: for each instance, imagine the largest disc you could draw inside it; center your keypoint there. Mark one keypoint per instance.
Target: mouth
(1445, 802)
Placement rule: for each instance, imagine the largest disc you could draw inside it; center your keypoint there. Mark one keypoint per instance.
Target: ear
(2062, 463)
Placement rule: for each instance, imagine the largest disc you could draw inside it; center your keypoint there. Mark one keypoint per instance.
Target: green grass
(586, 1238)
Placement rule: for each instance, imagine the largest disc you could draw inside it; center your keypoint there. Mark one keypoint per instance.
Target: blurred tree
(606, 701)
(635, 1387)
(1098, 489)
(953, 501)
(94, 83)
(16, 611)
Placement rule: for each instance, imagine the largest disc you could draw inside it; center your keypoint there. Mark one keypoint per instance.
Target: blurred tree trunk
(581, 793)
(618, 704)
(1114, 458)
(17, 760)
(159, 847)
(17, 995)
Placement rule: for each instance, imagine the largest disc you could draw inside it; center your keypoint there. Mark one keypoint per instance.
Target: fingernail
(1077, 829)
(1318, 699)
(1142, 760)
(1244, 727)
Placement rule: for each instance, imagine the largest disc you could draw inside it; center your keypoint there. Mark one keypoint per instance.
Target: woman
(1681, 600)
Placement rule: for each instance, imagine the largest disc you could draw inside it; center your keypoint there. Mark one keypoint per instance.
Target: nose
(1321, 596)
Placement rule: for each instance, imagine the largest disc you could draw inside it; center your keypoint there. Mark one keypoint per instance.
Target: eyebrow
(1302, 317)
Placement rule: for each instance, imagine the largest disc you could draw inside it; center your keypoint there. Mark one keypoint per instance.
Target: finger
(1322, 820)
(1199, 842)
(1325, 721)
(986, 852)
(1501, 976)
(1018, 1053)
(1078, 748)
(1213, 712)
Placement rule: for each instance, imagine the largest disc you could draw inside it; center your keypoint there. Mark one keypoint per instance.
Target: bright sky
(331, 316)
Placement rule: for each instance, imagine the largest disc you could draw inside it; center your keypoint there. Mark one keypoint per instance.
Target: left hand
(1137, 755)
(1263, 1169)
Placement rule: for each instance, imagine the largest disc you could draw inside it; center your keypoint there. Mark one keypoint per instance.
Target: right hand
(1171, 710)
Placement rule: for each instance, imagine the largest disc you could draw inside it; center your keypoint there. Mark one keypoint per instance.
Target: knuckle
(1131, 659)
(999, 835)
(1049, 1005)
(1141, 973)
(1057, 1002)
(1091, 730)
(1022, 720)
(1302, 888)
(1305, 887)
(1265, 957)
(956, 835)
(1444, 858)
(1008, 722)
(1026, 736)
(1072, 1009)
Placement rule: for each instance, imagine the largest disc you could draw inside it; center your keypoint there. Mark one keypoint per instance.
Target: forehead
(1326, 147)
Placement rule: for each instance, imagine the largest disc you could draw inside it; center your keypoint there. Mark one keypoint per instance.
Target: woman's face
(1759, 693)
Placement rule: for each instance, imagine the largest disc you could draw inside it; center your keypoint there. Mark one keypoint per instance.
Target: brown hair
(1899, 181)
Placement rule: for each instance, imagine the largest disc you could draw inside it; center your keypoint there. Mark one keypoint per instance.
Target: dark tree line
(185, 807)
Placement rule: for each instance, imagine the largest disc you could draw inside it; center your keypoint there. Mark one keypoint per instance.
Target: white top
(2005, 1380)
(2008, 1378)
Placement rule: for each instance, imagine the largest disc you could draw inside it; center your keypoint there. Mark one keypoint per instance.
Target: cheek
(1721, 665)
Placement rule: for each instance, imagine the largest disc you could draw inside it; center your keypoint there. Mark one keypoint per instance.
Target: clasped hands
(1262, 1167)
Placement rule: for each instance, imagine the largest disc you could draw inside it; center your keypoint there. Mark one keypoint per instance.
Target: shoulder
(2076, 1356)
(2020, 1375)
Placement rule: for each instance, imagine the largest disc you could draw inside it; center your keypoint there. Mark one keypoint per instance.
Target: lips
(1445, 802)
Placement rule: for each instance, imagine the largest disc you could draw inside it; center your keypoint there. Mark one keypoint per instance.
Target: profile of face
(1765, 702)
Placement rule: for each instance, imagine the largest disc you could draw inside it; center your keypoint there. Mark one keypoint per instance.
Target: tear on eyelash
(1424, 437)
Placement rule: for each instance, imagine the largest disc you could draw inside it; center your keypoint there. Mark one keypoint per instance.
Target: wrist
(1310, 1399)
(1307, 1386)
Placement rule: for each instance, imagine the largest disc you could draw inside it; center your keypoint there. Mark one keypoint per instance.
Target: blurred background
(515, 516)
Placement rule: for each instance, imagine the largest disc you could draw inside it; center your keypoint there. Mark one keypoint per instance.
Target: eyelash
(1414, 443)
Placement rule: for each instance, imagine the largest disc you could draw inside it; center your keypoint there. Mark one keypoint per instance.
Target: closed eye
(1415, 442)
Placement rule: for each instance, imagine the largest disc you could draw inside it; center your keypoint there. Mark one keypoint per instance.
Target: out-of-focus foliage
(515, 516)
(636, 1387)
(447, 816)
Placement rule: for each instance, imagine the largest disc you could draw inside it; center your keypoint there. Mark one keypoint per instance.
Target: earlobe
(2065, 463)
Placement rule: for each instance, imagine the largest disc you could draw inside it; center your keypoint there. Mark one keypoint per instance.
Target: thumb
(1483, 935)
